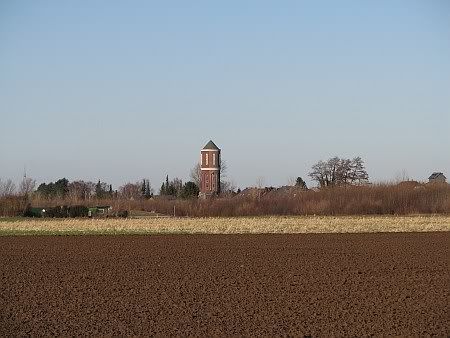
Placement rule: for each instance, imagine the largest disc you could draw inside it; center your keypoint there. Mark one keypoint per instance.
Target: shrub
(78, 211)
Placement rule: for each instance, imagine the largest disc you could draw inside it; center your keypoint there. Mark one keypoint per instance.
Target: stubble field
(232, 225)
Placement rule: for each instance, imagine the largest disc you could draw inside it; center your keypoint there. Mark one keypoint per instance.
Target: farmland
(245, 276)
(220, 285)
(231, 225)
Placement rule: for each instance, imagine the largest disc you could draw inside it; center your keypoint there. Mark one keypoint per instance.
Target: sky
(125, 90)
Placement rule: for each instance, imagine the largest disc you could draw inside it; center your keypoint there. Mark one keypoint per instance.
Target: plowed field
(217, 285)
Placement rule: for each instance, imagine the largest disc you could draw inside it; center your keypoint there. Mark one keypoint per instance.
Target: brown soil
(217, 285)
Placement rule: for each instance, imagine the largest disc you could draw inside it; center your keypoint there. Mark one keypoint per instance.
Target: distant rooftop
(436, 175)
(211, 146)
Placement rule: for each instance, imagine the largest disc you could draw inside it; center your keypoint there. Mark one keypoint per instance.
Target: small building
(210, 170)
(99, 210)
(437, 178)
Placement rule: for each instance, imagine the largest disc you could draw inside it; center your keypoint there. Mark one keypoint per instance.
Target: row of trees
(333, 172)
(79, 190)
(175, 188)
(8, 187)
(85, 190)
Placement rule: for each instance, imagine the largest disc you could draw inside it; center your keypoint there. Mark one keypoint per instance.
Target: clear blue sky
(121, 90)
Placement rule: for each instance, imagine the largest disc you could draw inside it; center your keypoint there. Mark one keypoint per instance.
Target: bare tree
(27, 186)
(7, 188)
(223, 168)
(402, 176)
(81, 190)
(228, 187)
(337, 171)
(131, 190)
(320, 173)
(358, 171)
(260, 182)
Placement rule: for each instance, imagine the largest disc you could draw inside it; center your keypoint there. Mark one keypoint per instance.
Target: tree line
(330, 173)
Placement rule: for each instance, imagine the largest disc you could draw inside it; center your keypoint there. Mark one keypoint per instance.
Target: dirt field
(216, 285)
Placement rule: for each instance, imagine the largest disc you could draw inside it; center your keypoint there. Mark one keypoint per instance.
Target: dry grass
(273, 224)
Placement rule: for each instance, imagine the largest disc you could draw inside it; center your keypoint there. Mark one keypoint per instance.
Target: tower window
(214, 159)
(206, 158)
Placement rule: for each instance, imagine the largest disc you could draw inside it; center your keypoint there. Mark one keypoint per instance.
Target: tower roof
(211, 146)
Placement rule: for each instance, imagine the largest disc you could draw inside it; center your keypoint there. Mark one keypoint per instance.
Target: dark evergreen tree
(143, 187)
(190, 190)
(162, 191)
(148, 190)
(98, 190)
(167, 185)
(59, 189)
(300, 183)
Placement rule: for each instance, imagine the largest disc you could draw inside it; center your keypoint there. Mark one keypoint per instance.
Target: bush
(122, 213)
(57, 212)
(78, 211)
(32, 212)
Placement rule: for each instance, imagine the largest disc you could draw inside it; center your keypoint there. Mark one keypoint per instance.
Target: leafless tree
(27, 186)
(260, 182)
(131, 190)
(177, 185)
(337, 171)
(358, 171)
(195, 174)
(228, 187)
(402, 176)
(7, 188)
(81, 190)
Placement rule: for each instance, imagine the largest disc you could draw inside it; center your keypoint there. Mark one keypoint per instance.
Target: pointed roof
(211, 146)
(436, 175)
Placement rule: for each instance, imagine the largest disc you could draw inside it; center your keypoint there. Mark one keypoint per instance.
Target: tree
(358, 171)
(131, 191)
(143, 188)
(227, 187)
(190, 190)
(101, 190)
(167, 188)
(26, 186)
(299, 182)
(176, 186)
(336, 172)
(162, 190)
(195, 174)
(81, 190)
(260, 182)
(7, 188)
(61, 188)
(171, 188)
(98, 190)
(148, 190)
(58, 189)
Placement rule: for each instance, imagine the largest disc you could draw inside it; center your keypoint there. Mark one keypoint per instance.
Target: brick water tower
(210, 170)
